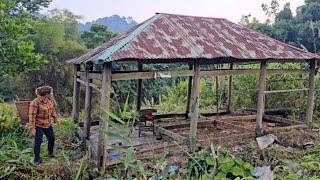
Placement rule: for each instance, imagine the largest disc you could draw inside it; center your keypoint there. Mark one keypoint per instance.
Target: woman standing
(41, 115)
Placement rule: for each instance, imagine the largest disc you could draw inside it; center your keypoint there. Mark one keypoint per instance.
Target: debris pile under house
(197, 42)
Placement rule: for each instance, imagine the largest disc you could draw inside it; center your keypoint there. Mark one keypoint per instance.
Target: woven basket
(23, 110)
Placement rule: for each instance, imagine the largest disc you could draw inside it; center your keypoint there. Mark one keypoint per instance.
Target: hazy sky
(140, 10)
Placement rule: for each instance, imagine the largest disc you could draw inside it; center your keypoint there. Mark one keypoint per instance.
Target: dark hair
(45, 90)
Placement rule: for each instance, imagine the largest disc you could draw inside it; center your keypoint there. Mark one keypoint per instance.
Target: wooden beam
(189, 93)
(87, 106)
(194, 107)
(285, 91)
(187, 73)
(229, 90)
(76, 95)
(310, 102)
(217, 96)
(92, 75)
(170, 134)
(150, 75)
(139, 88)
(286, 128)
(104, 106)
(261, 97)
(280, 119)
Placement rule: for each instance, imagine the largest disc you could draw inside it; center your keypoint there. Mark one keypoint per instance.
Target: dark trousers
(38, 140)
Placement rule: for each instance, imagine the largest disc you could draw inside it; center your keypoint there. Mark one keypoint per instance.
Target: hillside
(115, 23)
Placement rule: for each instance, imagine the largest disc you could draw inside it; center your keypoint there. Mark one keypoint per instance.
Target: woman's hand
(32, 132)
(57, 121)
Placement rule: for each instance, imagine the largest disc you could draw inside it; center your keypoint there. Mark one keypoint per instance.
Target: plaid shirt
(41, 113)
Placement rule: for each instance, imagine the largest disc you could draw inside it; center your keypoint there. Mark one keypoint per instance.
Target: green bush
(8, 117)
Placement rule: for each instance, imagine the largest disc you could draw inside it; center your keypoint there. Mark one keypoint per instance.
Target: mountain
(115, 23)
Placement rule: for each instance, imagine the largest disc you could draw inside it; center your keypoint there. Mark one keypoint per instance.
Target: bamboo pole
(261, 97)
(229, 90)
(311, 91)
(194, 107)
(139, 88)
(189, 93)
(87, 106)
(76, 94)
(104, 106)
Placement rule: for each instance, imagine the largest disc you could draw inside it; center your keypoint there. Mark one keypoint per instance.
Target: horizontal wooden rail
(187, 73)
(285, 91)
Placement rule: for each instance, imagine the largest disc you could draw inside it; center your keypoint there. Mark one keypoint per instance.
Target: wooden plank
(139, 88)
(189, 93)
(261, 97)
(310, 101)
(170, 134)
(285, 91)
(229, 90)
(194, 107)
(149, 75)
(286, 128)
(76, 95)
(205, 120)
(176, 115)
(87, 106)
(280, 119)
(104, 106)
(186, 73)
(92, 75)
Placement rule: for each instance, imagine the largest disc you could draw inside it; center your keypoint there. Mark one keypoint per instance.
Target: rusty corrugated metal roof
(170, 36)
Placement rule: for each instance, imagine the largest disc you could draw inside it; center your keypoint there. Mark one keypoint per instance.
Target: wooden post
(87, 106)
(229, 91)
(194, 107)
(311, 91)
(139, 88)
(189, 92)
(217, 96)
(261, 97)
(104, 106)
(76, 94)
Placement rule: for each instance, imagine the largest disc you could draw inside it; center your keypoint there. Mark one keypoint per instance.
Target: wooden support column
(76, 94)
(311, 91)
(261, 97)
(194, 107)
(189, 92)
(229, 91)
(139, 88)
(87, 106)
(104, 106)
(217, 96)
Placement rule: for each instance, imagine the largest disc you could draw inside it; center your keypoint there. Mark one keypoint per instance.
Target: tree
(97, 35)
(16, 50)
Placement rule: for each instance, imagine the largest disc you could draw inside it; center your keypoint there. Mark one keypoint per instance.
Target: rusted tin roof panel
(167, 36)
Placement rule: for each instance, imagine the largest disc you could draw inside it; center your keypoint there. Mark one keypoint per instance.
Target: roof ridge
(109, 51)
(191, 16)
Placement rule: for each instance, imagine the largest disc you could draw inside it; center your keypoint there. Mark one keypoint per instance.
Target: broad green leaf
(226, 167)
(237, 171)
(210, 160)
